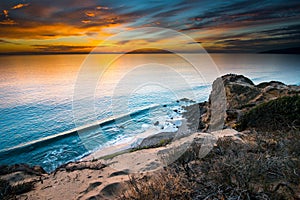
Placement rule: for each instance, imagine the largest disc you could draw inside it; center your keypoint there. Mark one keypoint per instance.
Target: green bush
(279, 114)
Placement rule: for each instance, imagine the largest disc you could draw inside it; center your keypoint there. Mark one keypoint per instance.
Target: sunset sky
(28, 26)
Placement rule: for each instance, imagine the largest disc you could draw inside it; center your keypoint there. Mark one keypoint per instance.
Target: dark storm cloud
(236, 14)
(259, 44)
(70, 12)
(284, 31)
(176, 14)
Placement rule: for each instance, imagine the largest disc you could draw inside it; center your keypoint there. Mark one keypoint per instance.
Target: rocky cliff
(234, 95)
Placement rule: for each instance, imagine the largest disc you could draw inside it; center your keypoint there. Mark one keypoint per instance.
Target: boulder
(233, 95)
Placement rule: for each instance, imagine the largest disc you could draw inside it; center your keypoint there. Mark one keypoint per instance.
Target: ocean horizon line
(105, 53)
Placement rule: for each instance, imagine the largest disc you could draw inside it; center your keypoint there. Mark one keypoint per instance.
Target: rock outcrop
(233, 95)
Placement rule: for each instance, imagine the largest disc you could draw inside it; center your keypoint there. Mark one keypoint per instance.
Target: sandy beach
(104, 177)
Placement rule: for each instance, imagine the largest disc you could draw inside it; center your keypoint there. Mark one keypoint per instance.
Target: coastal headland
(251, 150)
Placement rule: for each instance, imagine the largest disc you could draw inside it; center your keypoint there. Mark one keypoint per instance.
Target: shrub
(8, 191)
(267, 166)
(166, 184)
(279, 114)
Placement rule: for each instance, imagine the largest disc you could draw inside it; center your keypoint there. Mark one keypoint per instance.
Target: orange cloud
(86, 21)
(20, 5)
(90, 14)
(63, 48)
(39, 32)
(54, 31)
(8, 22)
(5, 12)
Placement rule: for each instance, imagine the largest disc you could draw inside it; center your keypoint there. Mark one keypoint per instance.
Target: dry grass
(263, 169)
(167, 184)
(266, 167)
(9, 192)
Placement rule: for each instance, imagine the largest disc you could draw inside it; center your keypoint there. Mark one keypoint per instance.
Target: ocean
(58, 108)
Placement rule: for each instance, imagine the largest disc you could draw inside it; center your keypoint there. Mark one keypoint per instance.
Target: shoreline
(149, 159)
(148, 139)
(76, 130)
(165, 124)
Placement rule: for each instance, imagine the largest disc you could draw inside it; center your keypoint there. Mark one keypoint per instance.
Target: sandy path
(104, 182)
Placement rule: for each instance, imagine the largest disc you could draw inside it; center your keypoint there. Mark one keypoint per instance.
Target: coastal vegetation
(265, 165)
(279, 114)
